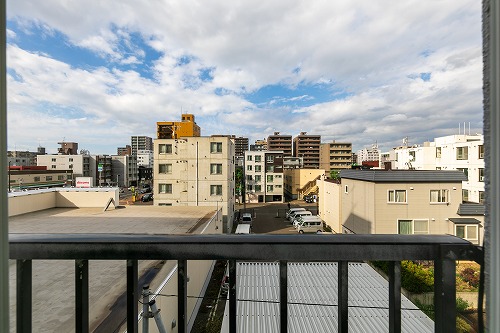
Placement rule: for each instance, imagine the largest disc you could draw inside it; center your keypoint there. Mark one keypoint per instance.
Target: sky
(365, 72)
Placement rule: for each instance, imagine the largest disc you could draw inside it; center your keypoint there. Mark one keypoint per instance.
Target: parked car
(147, 197)
(309, 198)
(246, 218)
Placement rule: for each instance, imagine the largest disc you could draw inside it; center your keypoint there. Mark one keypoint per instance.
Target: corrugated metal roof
(312, 297)
(408, 176)
(471, 209)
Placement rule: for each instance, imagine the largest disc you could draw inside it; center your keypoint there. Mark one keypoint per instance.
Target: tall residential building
(122, 151)
(68, 148)
(195, 171)
(240, 146)
(145, 158)
(280, 142)
(368, 154)
(262, 143)
(124, 170)
(335, 156)
(453, 152)
(141, 143)
(307, 147)
(264, 176)
(187, 127)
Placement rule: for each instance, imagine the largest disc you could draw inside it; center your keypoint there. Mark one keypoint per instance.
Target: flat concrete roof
(53, 280)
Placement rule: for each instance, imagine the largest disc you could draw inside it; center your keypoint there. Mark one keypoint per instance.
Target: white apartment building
(145, 158)
(195, 171)
(264, 176)
(124, 170)
(80, 164)
(368, 154)
(453, 152)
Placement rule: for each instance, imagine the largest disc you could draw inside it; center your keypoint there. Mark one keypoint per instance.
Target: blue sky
(98, 72)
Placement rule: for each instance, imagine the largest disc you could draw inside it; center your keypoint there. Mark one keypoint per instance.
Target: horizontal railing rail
(341, 248)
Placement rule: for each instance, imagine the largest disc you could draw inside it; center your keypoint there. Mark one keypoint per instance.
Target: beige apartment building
(307, 147)
(335, 156)
(281, 142)
(300, 182)
(195, 171)
(401, 202)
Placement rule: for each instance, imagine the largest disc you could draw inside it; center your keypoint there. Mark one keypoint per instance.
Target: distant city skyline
(349, 71)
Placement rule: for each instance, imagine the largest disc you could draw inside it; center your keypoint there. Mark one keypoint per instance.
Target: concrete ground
(270, 217)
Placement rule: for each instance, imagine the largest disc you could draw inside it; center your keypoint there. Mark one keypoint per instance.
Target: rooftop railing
(443, 250)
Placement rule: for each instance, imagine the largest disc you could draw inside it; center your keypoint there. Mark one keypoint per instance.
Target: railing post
(343, 296)
(81, 296)
(182, 278)
(445, 303)
(232, 296)
(24, 296)
(395, 297)
(132, 295)
(283, 297)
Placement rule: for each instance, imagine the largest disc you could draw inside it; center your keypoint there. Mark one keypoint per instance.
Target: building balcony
(340, 248)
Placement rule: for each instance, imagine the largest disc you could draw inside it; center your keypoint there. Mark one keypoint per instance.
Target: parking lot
(269, 218)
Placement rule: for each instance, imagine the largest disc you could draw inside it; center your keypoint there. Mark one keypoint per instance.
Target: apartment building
(300, 182)
(145, 158)
(240, 146)
(335, 156)
(401, 202)
(67, 148)
(368, 154)
(122, 151)
(33, 177)
(280, 142)
(195, 171)
(80, 165)
(140, 142)
(187, 127)
(124, 170)
(24, 158)
(453, 152)
(307, 147)
(264, 176)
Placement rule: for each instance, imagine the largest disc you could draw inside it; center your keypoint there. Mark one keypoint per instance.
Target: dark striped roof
(406, 176)
(464, 220)
(471, 209)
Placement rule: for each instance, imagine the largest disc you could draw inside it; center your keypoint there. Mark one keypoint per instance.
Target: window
(481, 174)
(257, 178)
(438, 152)
(71, 159)
(270, 158)
(258, 158)
(278, 186)
(165, 168)
(36, 179)
(71, 166)
(468, 232)
(249, 177)
(165, 148)
(270, 178)
(249, 168)
(462, 153)
(216, 147)
(346, 189)
(249, 187)
(249, 157)
(412, 156)
(215, 189)
(53, 167)
(481, 197)
(60, 177)
(48, 178)
(439, 196)
(269, 188)
(413, 227)
(165, 188)
(258, 168)
(481, 151)
(216, 169)
(465, 195)
(397, 196)
(270, 168)
(53, 160)
(465, 171)
(258, 188)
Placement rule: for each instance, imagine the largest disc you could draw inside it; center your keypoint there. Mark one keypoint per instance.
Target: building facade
(307, 147)
(122, 151)
(124, 170)
(68, 148)
(240, 146)
(195, 171)
(80, 165)
(300, 182)
(145, 158)
(335, 156)
(280, 142)
(264, 176)
(33, 177)
(140, 142)
(187, 127)
(368, 154)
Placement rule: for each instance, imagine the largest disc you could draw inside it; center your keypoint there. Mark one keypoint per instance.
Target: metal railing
(443, 250)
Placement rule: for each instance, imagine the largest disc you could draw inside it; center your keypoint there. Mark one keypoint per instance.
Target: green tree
(239, 180)
(335, 174)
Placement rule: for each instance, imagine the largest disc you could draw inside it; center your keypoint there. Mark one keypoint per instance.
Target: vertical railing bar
(232, 296)
(24, 290)
(343, 296)
(81, 296)
(449, 295)
(132, 295)
(395, 297)
(283, 296)
(182, 278)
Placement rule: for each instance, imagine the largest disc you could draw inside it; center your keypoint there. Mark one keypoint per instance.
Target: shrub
(462, 305)
(470, 276)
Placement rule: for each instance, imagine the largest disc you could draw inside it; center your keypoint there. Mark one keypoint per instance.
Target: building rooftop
(53, 280)
(408, 176)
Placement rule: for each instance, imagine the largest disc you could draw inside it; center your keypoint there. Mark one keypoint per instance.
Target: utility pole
(9, 174)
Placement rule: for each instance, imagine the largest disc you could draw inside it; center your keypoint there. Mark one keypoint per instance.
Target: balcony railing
(443, 250)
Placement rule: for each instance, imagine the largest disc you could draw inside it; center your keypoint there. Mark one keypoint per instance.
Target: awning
(464, 220)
